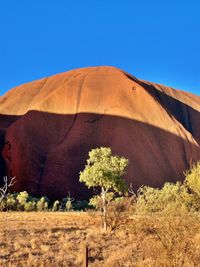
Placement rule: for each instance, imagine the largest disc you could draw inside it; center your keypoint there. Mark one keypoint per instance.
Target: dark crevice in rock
(41, 167)
(96, 119)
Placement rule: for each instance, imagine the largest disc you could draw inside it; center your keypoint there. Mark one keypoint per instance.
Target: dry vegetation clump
(168, 239)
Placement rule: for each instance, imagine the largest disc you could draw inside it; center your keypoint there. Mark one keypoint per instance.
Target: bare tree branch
(12, 182)
(6, 186)
(131, 191)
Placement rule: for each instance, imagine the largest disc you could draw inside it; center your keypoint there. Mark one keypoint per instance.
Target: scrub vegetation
(151, 227)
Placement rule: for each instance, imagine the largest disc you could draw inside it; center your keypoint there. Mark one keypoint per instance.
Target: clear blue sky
(152, 39)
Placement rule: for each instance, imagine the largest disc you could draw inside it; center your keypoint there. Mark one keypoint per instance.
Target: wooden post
(85, 257)
(103, 194)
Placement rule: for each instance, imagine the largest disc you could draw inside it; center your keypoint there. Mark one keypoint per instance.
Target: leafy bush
(68, 205)
(55, 206)
(22, 198)
(30, 206)
(169, 197)
(192, 180)
(10, 202)
(42, 204)
(192, 177)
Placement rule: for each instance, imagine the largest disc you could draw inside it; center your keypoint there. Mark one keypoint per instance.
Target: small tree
(68, 205)
(55, 205)
(4, 189)
(105, 171)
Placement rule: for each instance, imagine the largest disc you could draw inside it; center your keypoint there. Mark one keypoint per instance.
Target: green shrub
(11, 202)
(55, 206)
(42, 204)
(68, 205)
(192, 179)
(169, 197)
(22, 198)
(30, 206)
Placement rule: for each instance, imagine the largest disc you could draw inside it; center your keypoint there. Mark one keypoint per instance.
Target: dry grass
(54, 239)
(58, 239)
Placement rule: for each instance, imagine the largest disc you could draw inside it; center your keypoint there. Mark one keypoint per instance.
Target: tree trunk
(103, 195)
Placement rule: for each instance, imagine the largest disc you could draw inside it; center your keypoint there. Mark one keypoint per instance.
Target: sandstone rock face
(47, 128)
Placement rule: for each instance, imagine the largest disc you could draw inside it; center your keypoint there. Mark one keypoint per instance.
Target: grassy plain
(58, 239)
